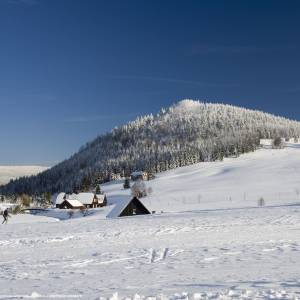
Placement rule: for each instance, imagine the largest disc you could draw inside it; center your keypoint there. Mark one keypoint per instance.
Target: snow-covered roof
(100, 198)
(84, 198)
(118, 208)
(74, 203)
(60, 198)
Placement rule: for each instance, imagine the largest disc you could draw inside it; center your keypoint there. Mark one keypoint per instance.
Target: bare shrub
(25, 200)
(16, 209)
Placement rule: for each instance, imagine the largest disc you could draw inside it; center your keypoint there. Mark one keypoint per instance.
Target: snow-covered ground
(235, 182)
(12, 172)
(201, 247)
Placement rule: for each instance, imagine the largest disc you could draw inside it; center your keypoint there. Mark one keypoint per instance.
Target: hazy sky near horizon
(73, 69)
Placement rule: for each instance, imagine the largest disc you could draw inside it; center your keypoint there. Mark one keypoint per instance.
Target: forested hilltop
(186, 133)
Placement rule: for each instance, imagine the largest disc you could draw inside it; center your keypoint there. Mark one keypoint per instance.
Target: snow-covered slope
(208, 247)
(234, 182)
(12, 172)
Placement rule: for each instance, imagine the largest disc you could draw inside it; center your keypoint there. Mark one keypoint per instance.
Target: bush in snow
(277, 143)
(261, 202)
(16, 209)
(139, 189)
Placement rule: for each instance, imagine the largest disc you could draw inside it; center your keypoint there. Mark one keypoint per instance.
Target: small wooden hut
(129, 207)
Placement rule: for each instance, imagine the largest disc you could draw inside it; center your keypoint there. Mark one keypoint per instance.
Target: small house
(128, 207)
(87, 200)
(71, 204)
(139, 175)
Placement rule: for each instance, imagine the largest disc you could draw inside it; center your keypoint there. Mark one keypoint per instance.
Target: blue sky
(73, 69)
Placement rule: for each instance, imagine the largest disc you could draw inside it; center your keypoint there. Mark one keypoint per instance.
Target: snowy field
(12, 172)
(233, 183)
(210, 242)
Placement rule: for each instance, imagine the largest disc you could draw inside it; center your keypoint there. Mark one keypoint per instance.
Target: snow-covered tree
(138, 189)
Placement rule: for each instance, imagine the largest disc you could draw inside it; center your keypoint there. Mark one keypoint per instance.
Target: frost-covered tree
(138, 189)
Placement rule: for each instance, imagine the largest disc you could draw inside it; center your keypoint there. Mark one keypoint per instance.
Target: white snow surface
(212, 241)
(12, 172)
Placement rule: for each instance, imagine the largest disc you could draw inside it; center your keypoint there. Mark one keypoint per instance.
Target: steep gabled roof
(60, 198)
(120, 207)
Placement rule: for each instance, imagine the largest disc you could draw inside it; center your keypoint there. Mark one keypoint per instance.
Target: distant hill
(183, 134)
(8, 173)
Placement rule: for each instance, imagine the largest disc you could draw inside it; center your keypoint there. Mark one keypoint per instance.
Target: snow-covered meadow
(212, 241)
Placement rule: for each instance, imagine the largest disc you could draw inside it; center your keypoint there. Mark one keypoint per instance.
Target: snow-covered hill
(186, 133)
(211, 242)
(12, 172)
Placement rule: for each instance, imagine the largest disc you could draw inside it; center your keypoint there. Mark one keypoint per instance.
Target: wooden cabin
(70, 204)
(129, 207)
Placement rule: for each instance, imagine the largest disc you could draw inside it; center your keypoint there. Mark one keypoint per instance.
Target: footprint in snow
(210, 258)
(232, 253)
(269, 249)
